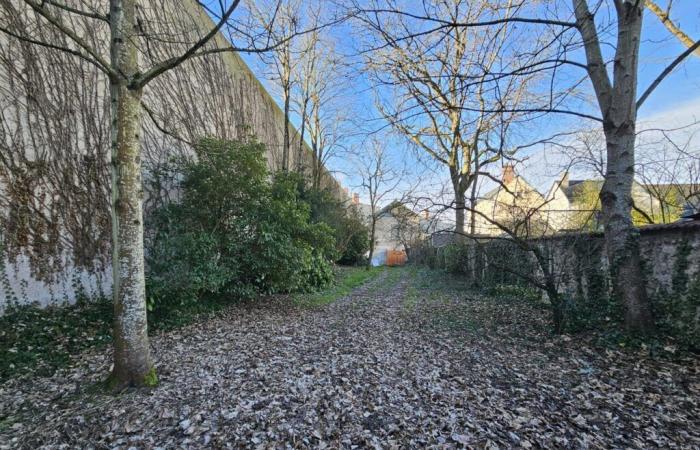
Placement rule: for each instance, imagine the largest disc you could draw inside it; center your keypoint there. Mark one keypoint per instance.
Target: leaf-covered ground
(407, 360)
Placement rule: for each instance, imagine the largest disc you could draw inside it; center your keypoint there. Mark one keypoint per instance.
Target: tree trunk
(621, 238)
(620, 118)
(300, 156)
(371, 242)
(460, 206)
(617, 101)
(459, 216)
(285, 150)
(472, 203)
(132, 362)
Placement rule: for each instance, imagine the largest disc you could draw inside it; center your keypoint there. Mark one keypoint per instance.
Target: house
(515, 204)
(569, 205)
(397, 229)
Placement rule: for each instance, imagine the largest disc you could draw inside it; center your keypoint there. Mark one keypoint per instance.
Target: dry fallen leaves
(369, 371)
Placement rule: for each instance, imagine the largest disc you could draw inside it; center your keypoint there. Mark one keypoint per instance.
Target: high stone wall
(55, 141)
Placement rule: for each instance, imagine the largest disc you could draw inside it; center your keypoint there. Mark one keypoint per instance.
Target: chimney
(426, 214)
(355, 198)
(508, 174)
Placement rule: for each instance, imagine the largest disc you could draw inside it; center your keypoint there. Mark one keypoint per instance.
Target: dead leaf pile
(366, 372)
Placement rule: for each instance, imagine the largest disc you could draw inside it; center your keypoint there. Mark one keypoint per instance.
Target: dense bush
(350, 232)
(236, 230)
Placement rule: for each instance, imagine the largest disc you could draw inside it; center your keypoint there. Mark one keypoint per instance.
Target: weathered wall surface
(55, 140)
(572, 255)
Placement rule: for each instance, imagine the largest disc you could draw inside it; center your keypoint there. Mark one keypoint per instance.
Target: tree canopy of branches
(379, 179)
(446, 98)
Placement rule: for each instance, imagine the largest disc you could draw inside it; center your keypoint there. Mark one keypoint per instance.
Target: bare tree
(379, 179)
(115, 50)
(282, 21)
(669, 171)
(447, 106)
(521, 224)
(323, 103)
(307, 70)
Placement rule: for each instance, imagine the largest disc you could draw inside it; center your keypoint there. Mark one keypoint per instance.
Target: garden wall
(671, 258)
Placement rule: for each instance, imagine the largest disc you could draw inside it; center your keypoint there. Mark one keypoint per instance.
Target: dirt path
(395, 364)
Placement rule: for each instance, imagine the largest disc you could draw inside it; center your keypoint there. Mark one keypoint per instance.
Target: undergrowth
(41, 340)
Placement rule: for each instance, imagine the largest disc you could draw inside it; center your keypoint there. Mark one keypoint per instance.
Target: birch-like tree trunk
(617, 101)
(372, 238)
(286, 93)
(132, 361)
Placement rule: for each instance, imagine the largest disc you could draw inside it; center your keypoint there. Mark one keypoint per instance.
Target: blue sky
(675, 102)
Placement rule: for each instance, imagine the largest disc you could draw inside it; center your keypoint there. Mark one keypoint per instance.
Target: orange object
(396, 257)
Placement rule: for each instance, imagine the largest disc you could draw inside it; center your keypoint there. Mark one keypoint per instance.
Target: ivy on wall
(580, 266)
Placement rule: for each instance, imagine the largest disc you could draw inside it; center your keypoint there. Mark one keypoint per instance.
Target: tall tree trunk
(372, 232)
(621, 238)
(300, 156)
(132, 362)
(460, 205)
(459, 216)
(285, 150)
(617, 101)
(472, 202)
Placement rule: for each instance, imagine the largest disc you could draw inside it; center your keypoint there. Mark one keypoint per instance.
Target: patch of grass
(511, 292)
(454, 320)
(436, 300)
(347, 279)
(177, 316)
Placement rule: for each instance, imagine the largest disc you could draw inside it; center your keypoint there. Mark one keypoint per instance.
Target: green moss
(151, 378)
(679, 277)
(111, 384)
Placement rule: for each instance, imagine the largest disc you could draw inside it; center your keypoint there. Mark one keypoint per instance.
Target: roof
(518, 179)
(685, 188)
(397, 205)
(685, 225)
(681, 225)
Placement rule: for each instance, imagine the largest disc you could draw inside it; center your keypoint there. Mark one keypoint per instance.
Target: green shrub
(349, 230)
(237, 231)
(457, 258)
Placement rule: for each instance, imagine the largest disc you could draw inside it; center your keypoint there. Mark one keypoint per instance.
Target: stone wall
(55, 140)
(671, 262)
